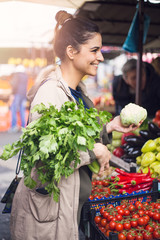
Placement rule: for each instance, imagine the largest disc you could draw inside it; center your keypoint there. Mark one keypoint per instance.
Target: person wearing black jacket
(124, 87)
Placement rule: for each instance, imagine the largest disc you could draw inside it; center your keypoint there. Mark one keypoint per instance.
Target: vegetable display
(132, 114)
(52, 142)
(134, 220)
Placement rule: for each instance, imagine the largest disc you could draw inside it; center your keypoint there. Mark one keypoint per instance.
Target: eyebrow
(95, 48)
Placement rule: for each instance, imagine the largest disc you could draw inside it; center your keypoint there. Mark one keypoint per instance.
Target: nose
(100, 57)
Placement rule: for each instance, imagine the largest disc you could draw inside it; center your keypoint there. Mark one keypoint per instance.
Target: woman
(34, 214)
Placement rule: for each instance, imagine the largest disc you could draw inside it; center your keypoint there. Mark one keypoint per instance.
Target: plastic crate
(91, 207)
(116, 200)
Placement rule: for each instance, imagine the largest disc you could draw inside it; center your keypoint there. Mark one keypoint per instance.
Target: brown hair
(71, 30)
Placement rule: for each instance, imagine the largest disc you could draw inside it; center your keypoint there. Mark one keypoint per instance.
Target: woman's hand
(103, 156)
(116, 125)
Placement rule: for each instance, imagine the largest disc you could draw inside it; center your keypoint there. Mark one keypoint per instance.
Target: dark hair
(71, 30)
(130, 65)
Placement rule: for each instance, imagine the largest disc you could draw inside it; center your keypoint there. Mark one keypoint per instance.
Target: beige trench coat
(35, 216)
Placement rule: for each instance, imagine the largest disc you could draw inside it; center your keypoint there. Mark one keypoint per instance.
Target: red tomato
(141, 212)
(102, 229)
(156, 216)
(109, 218)
(121, 236)
(157, 205)
(130, 236)
(126, 225)
(139, 236)
(119, 227)
(105, 183)
(131, 208)
(121, 212)
(105, 214)
(150, 213)
(156, 234)
(103, 222)
(157, 115)
(141, 221)
(126, 212)
(97, 219)
(149, 228)
(102, 210)
(136, 216)
(139, 206)
(118, 207)
(112, 225)
(118, 217)
(147, 236)
(91, 197)
(134, 223)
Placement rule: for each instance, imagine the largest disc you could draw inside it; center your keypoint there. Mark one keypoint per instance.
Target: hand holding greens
(54, 140)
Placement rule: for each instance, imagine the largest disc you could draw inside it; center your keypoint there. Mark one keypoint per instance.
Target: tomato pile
(138, 221)
(100, 189)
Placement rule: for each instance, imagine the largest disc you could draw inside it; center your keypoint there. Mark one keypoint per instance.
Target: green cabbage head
(132, 114)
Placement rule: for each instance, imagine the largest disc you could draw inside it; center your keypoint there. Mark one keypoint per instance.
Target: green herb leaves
(54, 140)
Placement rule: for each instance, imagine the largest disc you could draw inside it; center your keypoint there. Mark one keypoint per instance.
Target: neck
(71, 75)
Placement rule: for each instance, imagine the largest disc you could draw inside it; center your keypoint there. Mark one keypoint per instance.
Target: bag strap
(20, 157)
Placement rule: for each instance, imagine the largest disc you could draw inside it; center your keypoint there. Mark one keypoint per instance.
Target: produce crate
(95, 205)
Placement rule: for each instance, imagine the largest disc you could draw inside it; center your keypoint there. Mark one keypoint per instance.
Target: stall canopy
(114, 18)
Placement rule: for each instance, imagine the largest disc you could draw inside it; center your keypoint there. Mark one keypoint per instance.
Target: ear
(70, 51)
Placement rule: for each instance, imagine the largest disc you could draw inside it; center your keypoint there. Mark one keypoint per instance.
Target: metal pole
(140, 52)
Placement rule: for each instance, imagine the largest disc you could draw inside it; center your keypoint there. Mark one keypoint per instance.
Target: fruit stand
(129, 194)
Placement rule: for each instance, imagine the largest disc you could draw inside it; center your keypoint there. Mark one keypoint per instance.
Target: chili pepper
(120, 171)
(124, 184)
(141, 180)
(139, 187)
(144, 189)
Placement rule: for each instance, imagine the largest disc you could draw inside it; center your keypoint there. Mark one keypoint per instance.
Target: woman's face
(89, 56)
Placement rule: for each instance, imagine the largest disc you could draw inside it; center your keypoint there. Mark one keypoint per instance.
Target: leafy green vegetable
(52, 142)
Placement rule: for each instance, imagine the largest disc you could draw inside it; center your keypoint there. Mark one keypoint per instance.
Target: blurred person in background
(156, 64)
(17, 101)
(124, 87)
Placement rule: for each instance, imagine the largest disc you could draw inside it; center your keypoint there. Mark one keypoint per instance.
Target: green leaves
(53, 141)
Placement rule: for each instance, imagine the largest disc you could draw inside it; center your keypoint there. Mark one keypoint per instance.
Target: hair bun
(62, 16)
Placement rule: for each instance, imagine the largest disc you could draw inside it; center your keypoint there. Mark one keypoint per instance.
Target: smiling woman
(35, 215)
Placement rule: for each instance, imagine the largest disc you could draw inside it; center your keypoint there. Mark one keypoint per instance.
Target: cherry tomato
(140, 221)
(139, 206)
(134, 223)
(103, 222)
(102, 210)
(131, 208)
(112, 225)
(121, 236)
(97, 219)
(105, 183)
(156, 234)
(123, 206)
(118, 207)
(130, 236)
(139, 236)
(157, 205)
(102, 229)
(118, 217)
(141, 212)
(136, 216)
(105, 214)
(107, 233)
(149, 228)
(126, 225)
(156, 216)
(147, 236)
(119, 227)
(121, 212)
(157, 115)
(109, 218)
(126, 212)
(91, 197)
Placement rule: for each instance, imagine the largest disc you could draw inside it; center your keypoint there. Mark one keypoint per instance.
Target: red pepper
(145, 189)
(141, 180)
(120, 171)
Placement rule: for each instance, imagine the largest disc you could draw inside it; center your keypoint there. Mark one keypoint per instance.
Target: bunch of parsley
(54, 140)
